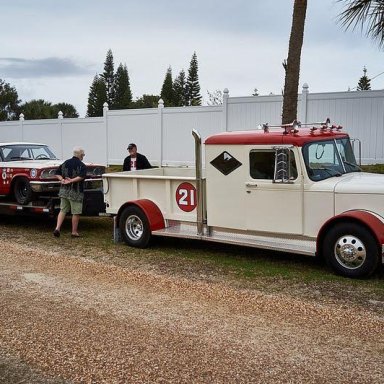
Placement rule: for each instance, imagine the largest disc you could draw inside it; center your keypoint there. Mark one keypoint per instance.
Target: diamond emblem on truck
(226, 163)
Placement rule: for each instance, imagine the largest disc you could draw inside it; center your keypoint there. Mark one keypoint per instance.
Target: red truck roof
(278, 137)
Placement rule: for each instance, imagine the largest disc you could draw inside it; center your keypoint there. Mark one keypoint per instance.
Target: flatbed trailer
(93, 205)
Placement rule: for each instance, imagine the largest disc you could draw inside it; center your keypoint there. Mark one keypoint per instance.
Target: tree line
(11, 107)
(114, 88)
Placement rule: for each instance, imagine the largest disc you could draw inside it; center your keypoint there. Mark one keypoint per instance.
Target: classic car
(28, 172)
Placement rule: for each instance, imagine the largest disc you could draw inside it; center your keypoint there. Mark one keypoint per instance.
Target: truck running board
(291, 244)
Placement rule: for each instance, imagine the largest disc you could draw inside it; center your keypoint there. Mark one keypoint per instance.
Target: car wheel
(351, 250)
(134, 227)
(22, 190)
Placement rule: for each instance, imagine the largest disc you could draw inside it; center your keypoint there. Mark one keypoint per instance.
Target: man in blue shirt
(71, 175)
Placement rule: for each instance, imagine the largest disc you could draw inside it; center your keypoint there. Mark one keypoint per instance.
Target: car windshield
(328, 158)
(15, 152)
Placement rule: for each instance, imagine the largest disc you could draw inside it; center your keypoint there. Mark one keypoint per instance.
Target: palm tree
(368, 14)
(292, 65)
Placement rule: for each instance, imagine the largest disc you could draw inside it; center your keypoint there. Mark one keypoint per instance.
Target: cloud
(18, 68)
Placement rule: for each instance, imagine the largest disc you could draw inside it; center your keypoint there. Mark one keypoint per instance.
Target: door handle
(250, 184)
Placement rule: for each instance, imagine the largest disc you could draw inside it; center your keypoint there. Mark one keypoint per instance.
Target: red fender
(365, 217)
(151, 210)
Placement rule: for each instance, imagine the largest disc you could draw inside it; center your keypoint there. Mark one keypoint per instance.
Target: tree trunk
(292, 71)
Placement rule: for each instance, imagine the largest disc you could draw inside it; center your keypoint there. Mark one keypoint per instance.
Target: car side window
(262, 164)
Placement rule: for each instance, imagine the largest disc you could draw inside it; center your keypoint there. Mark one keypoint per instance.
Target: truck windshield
(329, 158)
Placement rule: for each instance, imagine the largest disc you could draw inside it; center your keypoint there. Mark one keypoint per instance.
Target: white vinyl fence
(164, 134)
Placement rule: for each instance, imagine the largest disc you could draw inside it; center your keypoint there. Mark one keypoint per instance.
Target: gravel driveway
(67, 319)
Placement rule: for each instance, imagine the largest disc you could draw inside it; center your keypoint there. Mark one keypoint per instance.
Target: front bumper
(54, 186)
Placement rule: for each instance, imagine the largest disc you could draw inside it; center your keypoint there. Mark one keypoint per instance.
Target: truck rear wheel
(351, 250)
(134, 227)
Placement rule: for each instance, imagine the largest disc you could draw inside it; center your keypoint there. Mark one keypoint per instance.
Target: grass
(114, 168)
(373, 168)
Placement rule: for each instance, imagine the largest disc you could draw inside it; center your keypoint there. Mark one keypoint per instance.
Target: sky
(52, 49)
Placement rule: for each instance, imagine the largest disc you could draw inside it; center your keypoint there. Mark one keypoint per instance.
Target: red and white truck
(290, 189)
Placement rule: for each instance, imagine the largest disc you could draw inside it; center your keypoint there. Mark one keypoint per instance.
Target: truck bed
(156, 184)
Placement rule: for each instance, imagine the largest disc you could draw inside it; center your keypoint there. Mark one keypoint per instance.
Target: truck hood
(361, 183)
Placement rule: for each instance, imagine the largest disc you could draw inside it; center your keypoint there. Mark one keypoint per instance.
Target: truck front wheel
(134, 227)
(351, 250)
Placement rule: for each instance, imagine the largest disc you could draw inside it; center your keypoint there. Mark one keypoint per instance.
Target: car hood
(361, 182)
(38, 164)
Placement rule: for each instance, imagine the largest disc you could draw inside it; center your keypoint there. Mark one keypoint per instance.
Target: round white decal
(186, 197)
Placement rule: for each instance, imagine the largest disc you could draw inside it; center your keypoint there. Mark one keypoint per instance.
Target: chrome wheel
(350, 252)
(134, 227)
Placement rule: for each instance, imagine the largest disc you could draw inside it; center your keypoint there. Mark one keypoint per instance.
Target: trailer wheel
(351, 250)
(22, 190)
(134, 227)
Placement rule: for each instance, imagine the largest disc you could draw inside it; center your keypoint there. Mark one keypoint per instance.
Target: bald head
(78, 152)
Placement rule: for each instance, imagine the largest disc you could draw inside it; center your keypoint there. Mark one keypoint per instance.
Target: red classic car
(28, 172)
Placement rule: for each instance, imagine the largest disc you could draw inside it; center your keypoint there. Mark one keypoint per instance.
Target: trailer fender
(151, 210)
(365, 218)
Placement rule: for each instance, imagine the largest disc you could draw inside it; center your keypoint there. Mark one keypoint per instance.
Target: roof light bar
(295, 125)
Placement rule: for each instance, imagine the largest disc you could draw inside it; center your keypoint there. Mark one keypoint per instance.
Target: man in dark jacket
(71, 175)
(135, 160)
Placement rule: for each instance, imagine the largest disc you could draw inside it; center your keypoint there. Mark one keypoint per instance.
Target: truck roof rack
(295, 125)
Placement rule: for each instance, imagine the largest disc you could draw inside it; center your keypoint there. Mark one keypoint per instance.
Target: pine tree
(193, 86)
(364, 83)
(167, 93)
(109, 78)
(123, 94)
(180, 90)
(97, 97)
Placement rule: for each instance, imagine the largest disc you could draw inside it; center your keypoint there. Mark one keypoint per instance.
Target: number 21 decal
(186, 197)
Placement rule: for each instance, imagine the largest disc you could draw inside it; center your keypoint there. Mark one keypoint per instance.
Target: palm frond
(366, 14)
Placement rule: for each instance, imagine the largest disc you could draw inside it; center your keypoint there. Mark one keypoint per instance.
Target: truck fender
(365, 218)
(151, 210)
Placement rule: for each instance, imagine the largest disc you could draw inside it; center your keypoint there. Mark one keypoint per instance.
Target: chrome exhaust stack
(199, 182)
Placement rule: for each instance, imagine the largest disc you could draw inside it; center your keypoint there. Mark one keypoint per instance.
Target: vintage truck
(291, 188)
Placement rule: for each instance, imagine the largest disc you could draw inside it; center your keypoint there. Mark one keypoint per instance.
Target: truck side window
(262, 164)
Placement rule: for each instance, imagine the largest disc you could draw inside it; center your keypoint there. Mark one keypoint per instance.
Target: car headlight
(48, 173)
(33, 173)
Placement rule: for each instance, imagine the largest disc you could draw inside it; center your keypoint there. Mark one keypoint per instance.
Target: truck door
(273, 205)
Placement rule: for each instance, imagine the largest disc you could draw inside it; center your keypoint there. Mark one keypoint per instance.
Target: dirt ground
(69, 319)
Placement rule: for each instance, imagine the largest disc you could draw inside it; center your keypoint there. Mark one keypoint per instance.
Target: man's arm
(146, 164)
(127, 164)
